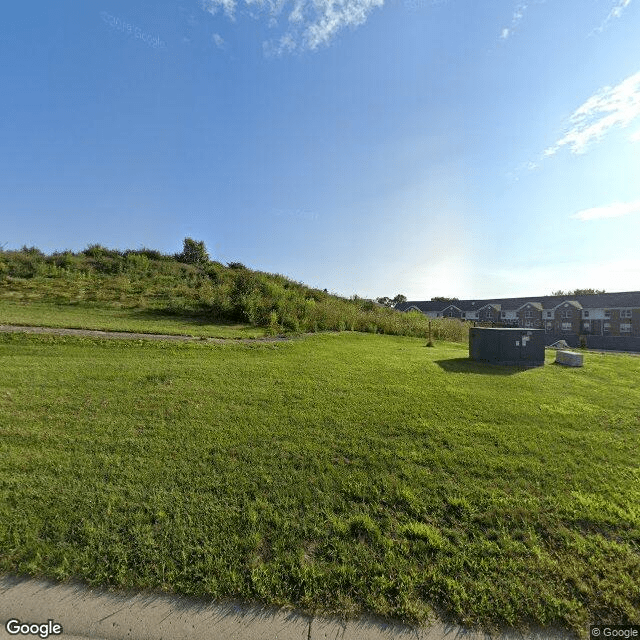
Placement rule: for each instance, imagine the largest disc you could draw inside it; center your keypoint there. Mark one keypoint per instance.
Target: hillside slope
(188, 285)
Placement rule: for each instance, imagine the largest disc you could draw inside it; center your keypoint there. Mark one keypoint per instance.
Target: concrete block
(569, 358)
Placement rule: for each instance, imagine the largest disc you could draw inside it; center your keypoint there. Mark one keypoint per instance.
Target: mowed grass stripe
(108, 317)
(344, 472)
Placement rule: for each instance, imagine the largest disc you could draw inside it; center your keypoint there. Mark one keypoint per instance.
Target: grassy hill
(145, 290)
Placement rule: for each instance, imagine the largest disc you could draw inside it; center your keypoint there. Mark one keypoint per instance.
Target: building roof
(535, 305)
(626, 299)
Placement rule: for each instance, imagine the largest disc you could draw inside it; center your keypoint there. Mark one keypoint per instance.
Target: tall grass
(148, 279)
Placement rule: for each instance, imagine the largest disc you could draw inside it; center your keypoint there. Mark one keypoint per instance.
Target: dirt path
(126, 335)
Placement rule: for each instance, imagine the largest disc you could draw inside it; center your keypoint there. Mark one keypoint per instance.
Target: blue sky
(428, 147)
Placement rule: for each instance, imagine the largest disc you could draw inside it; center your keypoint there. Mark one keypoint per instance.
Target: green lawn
(108, 317)
(345, 472)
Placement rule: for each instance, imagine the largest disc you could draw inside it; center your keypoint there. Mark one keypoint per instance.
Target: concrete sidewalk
(87, 614)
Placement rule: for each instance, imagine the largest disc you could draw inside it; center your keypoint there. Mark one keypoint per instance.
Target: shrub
(137, 262)
(64, 259)
(31, 251)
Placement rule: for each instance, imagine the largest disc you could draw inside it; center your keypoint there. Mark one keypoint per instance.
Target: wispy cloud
(613, 210)
(518, 14)
(213, 6)
(608, 108)
(310, 23)
(615, 13)
(218, 40)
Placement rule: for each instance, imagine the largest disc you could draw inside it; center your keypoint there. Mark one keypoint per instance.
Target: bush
(32, 251)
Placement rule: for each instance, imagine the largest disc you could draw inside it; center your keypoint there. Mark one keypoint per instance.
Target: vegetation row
(190, 282)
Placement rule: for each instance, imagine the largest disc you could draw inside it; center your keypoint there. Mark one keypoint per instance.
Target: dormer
(451, 311)
(529, 309)
(568, 309)
(489, 310)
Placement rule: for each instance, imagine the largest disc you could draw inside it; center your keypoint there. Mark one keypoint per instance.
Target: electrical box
(507, 346)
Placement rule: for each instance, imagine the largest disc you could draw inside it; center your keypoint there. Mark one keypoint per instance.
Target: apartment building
(606, 320)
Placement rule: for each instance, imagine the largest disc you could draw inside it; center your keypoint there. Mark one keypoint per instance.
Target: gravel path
(126, 335)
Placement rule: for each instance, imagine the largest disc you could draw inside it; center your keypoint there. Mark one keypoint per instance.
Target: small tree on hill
(391, 302)
(193, 252)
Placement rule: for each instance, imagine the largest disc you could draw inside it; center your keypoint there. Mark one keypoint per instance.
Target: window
(607, 313)
(504, 314)
(464, 314)
(586, 325)
(566, 314)
(625, 313)
(585, 314)
(566, 326)
(549, 326)
(528, 314)
(625, 327)
(549, 314)
(607, 327)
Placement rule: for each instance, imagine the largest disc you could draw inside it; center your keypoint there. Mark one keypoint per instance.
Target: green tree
(193, 252)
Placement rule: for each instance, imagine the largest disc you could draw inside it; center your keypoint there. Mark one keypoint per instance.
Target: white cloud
(635, 137)
(516, 18)
(212, 6)
(608, 108)
(615, 13)
(613, 210)
(311, 23)
(218, 40)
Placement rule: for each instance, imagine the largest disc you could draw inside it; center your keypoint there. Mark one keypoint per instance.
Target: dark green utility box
(511, 347)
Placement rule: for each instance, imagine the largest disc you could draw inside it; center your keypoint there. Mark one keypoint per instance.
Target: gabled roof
(493, 305)
(572, 303)
(535, 305)
(627, 299)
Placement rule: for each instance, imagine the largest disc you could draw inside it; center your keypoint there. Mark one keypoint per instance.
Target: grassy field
(345, 472)
(107, 317)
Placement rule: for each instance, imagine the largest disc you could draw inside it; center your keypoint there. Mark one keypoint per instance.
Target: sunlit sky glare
(469, 148)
